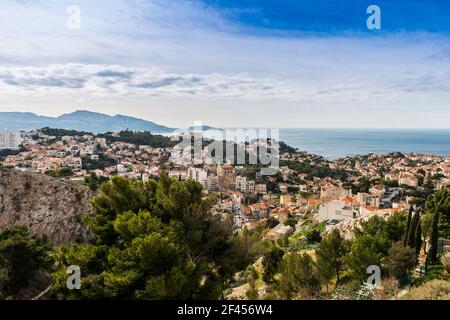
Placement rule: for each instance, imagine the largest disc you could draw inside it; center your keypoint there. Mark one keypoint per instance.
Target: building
(10, 140)
(197, 174)
(224, 170)
(444, 182)
(279, 232)
(408, 179)
(211, 183)
(244, 185)
(366, 199)
(333, 192)
(225, 176)
(285, 200)
(391, 176)
(338, 210)
(258, 210)
(261, 188)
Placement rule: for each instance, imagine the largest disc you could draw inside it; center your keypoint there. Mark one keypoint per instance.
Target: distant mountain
(79, 120)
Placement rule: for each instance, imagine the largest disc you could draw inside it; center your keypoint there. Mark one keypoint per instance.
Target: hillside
(44, 204)
(79, 120)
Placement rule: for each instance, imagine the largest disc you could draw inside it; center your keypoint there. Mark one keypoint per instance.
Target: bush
(432, 290)
(400, 261)
(313, 237)
(445, 259)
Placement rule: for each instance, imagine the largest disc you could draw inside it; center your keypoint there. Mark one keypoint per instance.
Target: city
(224, 158)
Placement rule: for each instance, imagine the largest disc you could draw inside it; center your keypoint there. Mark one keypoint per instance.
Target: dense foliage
(153, 241)
(140, 138)
(22, 256)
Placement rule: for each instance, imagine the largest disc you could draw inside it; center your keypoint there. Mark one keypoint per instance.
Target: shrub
(445, 259)
(432, 290)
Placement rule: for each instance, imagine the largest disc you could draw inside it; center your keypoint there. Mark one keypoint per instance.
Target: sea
(336, 143)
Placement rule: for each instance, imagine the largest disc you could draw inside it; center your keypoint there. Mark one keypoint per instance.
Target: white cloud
(181, 54)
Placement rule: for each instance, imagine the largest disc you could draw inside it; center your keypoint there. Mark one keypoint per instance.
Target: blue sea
(336, 143)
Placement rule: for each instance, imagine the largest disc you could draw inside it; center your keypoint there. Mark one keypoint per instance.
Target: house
(258, 210)
(333, 192)
(280, 231)
(337, 210)
(285, 200)
(408, 179)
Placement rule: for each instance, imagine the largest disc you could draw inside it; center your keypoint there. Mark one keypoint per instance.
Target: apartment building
(10, 140)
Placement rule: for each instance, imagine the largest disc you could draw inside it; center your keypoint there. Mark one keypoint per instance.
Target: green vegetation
(314, 170)
(153, 241)
(62, 132)
(158, 240)
(94, 181)
(140, 138)
(330, 256)
(271, 263)
(299, 276)
(21, 257)
(438, 207)
(401, 261)
(102, 162)
(61, 173)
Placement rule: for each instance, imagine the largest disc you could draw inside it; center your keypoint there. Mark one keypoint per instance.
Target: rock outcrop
(45, 205)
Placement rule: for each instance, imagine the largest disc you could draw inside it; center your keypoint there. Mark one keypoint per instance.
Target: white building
(10, 140)
(198, 175)
(336, 210)
(244, 185)
(408, 179)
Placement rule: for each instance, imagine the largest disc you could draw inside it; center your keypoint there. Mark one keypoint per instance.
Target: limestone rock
(44, 204)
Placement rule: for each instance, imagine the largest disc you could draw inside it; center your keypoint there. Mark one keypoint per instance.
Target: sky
(230, 63)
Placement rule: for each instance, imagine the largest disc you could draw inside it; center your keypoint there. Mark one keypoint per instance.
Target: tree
(94, 181)
(271, 262)
(395, 226)
(272, 222)
(401, 260)
(252, 292)
(375, 225)
(299, 275)
(413, 230)
(313, 236)
(330, 256)
(154, 240)
(418, 244)
(439, 206)
(408, 224)
(366, 250)
(21, 257)
(291, 222)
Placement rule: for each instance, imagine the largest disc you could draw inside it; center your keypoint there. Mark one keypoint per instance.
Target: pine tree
(418, 238)
(438, 204)
(408, 223)
(412, 230)
(271, 262)
(330, 256)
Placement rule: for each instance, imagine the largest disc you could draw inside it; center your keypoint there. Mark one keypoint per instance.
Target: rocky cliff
(45, 205)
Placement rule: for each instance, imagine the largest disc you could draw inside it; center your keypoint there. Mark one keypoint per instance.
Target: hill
(79, 120)
(47, 206)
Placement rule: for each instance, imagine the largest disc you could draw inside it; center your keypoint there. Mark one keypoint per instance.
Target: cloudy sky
(230, 63)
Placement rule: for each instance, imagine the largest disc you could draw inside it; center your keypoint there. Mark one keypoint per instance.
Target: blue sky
(333, 17)
(231, 63)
